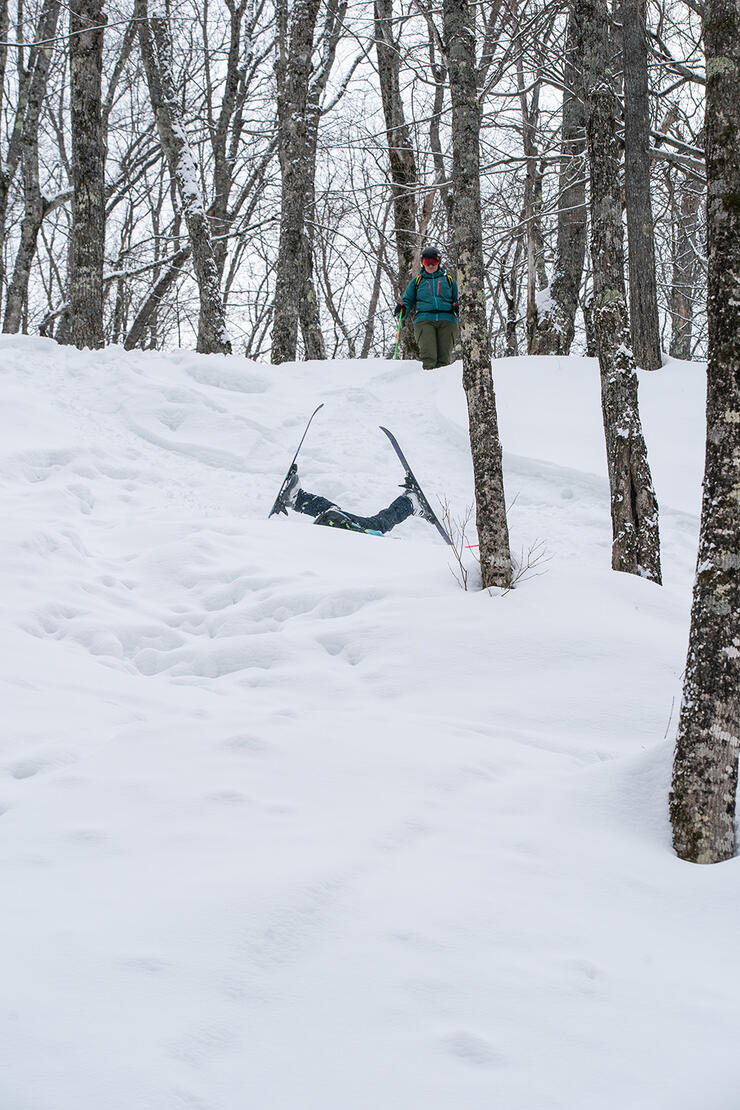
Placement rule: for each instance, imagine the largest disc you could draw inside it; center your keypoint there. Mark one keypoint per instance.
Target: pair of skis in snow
(410, 480)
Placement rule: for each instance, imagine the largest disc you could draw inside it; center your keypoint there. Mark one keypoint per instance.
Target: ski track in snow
(289, 820)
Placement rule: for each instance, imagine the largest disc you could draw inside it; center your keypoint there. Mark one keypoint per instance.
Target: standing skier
(434, 295)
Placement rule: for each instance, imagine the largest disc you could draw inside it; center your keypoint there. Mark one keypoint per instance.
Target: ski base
(411, 480)
(279, 505)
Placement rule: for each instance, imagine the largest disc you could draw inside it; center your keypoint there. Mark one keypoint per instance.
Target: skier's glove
(400, 311)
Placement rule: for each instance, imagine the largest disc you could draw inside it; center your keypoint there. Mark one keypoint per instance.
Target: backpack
(416, 283)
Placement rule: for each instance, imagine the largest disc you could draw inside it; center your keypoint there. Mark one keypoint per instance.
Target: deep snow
(291, 821)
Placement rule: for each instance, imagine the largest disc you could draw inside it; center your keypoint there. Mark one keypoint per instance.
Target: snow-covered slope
(289, 820)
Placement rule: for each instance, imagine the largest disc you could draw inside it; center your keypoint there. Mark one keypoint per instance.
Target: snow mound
(288, 818)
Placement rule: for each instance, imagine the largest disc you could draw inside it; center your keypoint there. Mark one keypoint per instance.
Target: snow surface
(292, 821)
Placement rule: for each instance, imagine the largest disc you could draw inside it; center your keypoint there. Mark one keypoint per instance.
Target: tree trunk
(532, 214)
(556, 310)
(404, 176)
(493, 532)
(309, 315)
(223, 163)
(146, 313)
(634, 508)
(643, 286)
(293, 71)
(156, 52)
(32, 219)
(372, 307)
(28, 102)
(4, 26)
(86, 19)
(685, 204)
(402, 161)
(705, 769)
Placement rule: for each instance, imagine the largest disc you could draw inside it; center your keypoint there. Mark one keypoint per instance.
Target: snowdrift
(289, 820)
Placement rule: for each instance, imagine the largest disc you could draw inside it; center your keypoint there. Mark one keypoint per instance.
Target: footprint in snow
(471, 1049)
(26, 768)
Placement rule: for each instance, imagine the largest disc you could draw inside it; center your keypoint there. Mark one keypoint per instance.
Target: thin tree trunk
(369, 330)
(509, 285)
(30, 97)
(294, 71)
(308, 302)
(493, 532)
(154, 38)
(223, 165)
(557, 310)
(404, 176)
(4, 27)
(531, 214)
(643, 285)
(634, 508)
(685, 204)
(441, 176)
(123, 296)
(149, 308)
(88, 172)
(705, 769)
(35, 209)
(402, 162)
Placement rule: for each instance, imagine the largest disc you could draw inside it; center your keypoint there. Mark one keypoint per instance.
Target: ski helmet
(431, 252)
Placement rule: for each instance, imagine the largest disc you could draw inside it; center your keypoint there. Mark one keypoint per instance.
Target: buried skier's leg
(310, 503)
(313, 504)
(398, 511)
(381, 522)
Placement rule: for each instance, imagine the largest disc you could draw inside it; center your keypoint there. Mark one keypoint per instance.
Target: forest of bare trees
(259, 177)
(168, 171)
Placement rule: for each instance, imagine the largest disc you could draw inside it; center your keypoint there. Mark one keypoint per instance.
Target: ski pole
(398, 333)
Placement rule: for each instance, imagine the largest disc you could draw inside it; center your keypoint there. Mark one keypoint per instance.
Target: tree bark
(30, 97)
(308, 302)
(404, 176)
(223, 162)
(35, 209)
(556, 309)
(640, 236)
(634, 508)
(493, 532)
(685, 204)
(401, 159)
(156, 52)
(86, 19)
(705, 769)
(293, 74)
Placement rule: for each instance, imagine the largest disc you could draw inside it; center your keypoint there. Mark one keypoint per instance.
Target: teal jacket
(434, 295)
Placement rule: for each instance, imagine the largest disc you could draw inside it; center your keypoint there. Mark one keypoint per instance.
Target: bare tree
(645, 327)
(556, 311)
(402, 159)
(86, 22)
(156, 52)
(35, 205)
(634, 508)
(493, 532)
(686, 196)
(308, 305)
(22, 147)
(705, 769)
(296, 40)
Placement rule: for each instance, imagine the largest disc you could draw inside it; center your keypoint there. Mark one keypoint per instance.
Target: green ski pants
(436, 338)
